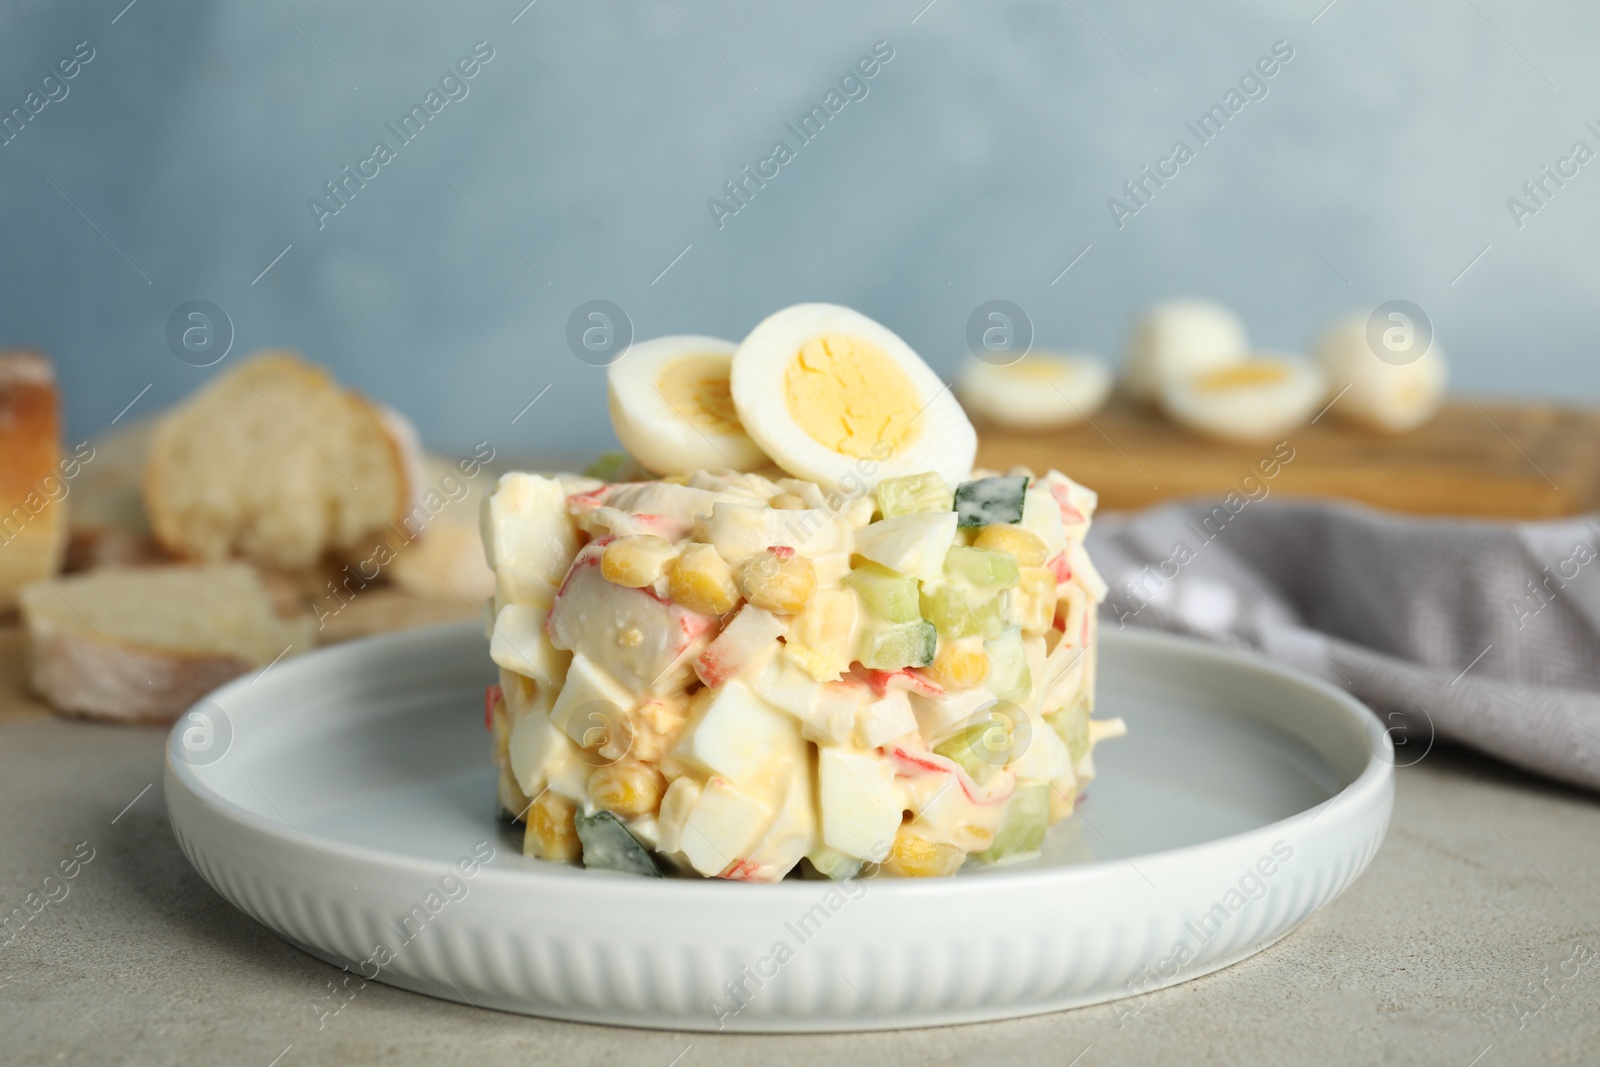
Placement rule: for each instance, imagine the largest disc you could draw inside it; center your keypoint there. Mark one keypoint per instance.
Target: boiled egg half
(1039, 391)
(1258, 399)
(1372, 392)
(1178, 339)
(833, 396)
(672, 407)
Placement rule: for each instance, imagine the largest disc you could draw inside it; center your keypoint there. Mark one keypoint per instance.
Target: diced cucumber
(1009, 677)
(606, 466)
(607, 845)
(1023, 826)
(958, 610)
(831, 863)
(983, 747)
(1071, 724)
(909, 644)
(617, 467)
(890, 594)
(913, 493)
(996, 736)
(983, 567)
(990, 501)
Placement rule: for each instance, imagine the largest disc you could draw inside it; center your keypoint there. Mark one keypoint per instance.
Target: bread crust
(83, 676)
(33, 526)
(143, 644)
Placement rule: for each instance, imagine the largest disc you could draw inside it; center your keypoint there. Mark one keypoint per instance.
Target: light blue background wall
(1377, 167)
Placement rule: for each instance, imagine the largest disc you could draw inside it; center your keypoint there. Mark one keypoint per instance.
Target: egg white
(1251, 412)
(662, 436)
(1381, 396)
(1042, 390)
(943, 440)
(1177, 339)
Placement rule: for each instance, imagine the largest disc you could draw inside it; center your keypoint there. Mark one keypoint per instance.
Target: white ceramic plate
(343, 799)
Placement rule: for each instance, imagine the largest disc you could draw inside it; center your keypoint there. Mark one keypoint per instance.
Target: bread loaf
(33, 488)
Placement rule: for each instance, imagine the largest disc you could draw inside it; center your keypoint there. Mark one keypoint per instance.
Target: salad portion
(855, 651)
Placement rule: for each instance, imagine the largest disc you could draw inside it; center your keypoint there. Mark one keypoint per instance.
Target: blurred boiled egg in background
(1177, 339)
(672, 407)
(830, 394)
(1256, 399)
(1040, 391)
(1391, 395)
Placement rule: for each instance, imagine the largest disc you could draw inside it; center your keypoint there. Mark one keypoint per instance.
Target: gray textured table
(1465, 935)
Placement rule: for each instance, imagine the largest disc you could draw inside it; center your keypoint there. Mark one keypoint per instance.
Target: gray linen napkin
(1478, 632)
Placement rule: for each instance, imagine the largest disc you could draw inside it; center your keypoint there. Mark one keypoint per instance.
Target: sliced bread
(107, 522)
(33, 524)
(275, 462)
(142, 644)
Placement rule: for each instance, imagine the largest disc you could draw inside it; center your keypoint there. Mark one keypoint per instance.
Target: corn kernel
(914, 856)
(959, 665)
(627, 788)
(787, 502)
(552, 830)
(635, 561)
(1033, 601)
(1028, 549)
(702, 581)
(781, 586)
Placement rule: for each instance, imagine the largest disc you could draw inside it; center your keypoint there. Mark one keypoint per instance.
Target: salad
(832, 649)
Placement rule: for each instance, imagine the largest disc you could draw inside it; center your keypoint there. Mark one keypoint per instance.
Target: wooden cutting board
(1484, 460)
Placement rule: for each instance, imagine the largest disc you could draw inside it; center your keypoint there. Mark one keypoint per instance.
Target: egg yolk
(848, 395)
(1243, 376)
(1038, 369)
(697, 388)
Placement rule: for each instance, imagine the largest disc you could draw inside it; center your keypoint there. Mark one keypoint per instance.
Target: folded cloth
(1478, 632)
